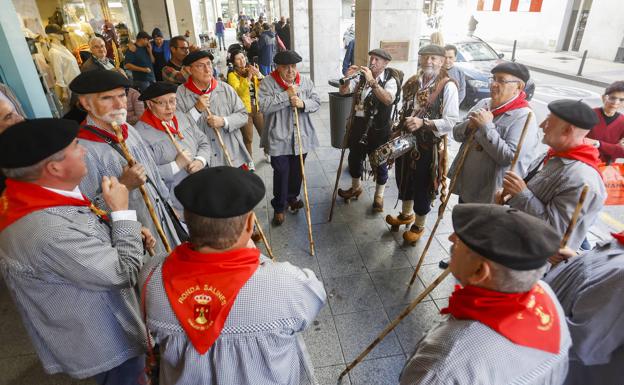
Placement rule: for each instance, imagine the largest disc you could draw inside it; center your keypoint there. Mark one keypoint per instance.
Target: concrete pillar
(300, 31)
(325, 55)
(389, 21)
(154, 17)
(18, 68)
(284, 8)
(185, 20)
(173, 23)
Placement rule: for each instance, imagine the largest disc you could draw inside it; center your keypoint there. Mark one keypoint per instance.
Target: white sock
(355, 183)
(407, 208)
(379, 190)
(420, 221)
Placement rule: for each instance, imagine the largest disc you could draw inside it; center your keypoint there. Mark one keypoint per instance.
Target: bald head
(98, 47)
(8, 114)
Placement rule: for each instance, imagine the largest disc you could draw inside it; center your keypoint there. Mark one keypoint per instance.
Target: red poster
(497, 5)
(480, 5)
(536, 6)
(514, 5)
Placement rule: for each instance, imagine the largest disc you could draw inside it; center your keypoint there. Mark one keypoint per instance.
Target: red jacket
(609, 137)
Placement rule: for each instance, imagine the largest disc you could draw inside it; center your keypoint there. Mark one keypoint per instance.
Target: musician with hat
(70, 268)
(176, 143)
(496, 124)
(430, 111)
(284, 89)
(503, 325)
(103, 95)
(224, 313)
(552, 193)
(214, 105)
(374, 95)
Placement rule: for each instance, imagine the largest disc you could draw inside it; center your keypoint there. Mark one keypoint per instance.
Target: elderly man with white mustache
(103, 95)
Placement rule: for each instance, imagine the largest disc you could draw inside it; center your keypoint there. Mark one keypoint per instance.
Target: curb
(577, 78)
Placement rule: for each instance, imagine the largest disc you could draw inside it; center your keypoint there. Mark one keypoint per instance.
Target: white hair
(32, 173)
(507, 280)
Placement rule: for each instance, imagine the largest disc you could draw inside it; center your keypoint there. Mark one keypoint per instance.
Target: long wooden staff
(460, 166)
(305, 184)
(573, 220)
(394, 323)
(146, 198)
(517, 153)
(226, 155)
(177, 146)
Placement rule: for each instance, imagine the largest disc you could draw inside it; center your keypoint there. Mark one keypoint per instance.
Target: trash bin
(339, 111)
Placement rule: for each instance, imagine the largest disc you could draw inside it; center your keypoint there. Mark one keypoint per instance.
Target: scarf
(88, 135)
(203, 287)
(149, 118)
(528, 319)
(21, 198)
(585, 153)
(619, 236)
(193, 88)
(518, 102)
(281, 81)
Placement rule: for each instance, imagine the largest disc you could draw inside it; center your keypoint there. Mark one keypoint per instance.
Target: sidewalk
(597, 72)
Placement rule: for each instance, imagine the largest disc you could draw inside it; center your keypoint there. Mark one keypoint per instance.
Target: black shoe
(295, 206)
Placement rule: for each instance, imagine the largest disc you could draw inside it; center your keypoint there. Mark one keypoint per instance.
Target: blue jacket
(266, 47)
(164, 48)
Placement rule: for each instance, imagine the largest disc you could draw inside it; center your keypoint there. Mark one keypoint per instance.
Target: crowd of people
(120, 240)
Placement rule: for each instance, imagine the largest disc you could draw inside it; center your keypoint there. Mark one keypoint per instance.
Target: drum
(392, 150)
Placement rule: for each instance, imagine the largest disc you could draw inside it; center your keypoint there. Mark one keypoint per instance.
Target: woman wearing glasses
(608, 134)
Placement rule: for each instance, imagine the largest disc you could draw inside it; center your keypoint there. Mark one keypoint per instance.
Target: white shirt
(390, 87)
(64, 65)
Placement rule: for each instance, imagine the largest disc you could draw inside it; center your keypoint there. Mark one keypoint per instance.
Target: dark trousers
(416, 184)
(131, 372)
(359, 151)
(286, 180)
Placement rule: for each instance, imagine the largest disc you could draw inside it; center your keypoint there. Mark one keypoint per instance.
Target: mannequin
(63, 63)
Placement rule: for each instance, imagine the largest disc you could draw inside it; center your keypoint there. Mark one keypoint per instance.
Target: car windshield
(476, 51)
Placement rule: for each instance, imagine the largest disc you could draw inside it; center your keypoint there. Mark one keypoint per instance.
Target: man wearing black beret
(503, 325)
(224, 313)
(165, 130)
(430, 110)
(214, 105)
(70, 267)
(102, 94)
(374, 95)
(553, 192)
(497, 123)
(280, 92)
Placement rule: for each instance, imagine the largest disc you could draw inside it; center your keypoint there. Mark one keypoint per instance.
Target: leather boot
(295, 206)
(378, 204)
(412, 235)
(278, 219)
(349, 194)
(399, 220)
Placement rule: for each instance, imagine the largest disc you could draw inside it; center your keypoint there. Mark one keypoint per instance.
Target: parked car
(476, 58)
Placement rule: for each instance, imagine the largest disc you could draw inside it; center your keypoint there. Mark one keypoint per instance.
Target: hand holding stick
(517, 153)
(305, 184)
(573, 220)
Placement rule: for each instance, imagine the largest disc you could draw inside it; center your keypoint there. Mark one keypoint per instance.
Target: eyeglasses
(163, 103)
(501, 81)
(615, 99)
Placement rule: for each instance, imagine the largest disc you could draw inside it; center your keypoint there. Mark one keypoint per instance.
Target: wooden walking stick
(521, 141)
(394, 323)
(305, 184)
(177, 146)
(460, 165)
(146, 198)
(573, 220)
(226, 155)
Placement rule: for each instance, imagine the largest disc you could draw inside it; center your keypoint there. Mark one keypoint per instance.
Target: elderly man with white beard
(103, 95)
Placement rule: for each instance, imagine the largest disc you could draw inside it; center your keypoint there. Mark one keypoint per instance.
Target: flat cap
(92, 82)
(382, 53)
(220, 192)
(195, 56)
(505, 235)
(287, 57)
(158, 89)
(432, 49)
(31, 141)
(516, 69)
(53, 28)
(574, 112)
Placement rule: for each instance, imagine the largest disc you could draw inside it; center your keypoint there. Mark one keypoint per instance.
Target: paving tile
(411, 329)
(298, 257)
(393, 286)
(429, 273)
(340, 261)
(435, 254)
(370, 228)
(380, 371)
(354, 293)
(26, 370)
(15, 340)
(322, 342)
(358, 330)
(328, 375)
(387, 255)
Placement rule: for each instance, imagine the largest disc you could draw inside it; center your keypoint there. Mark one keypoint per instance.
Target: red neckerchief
(21, 198)
(88, 135)
(619, 236)
(518, 102)
(202, 288)
(150, 119)
(528, 319)
(193, 88)
(585, 153)
(281, 81)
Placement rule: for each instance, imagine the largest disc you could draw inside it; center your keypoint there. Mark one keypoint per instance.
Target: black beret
(505, 235)
(432, 49)
(53, 28)
(382, 53)
(287, 57)
(31, 141)
(158, 89)
(92, 82)
(195, 56)
(220, 192)
(516, 69)
(574, 112)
